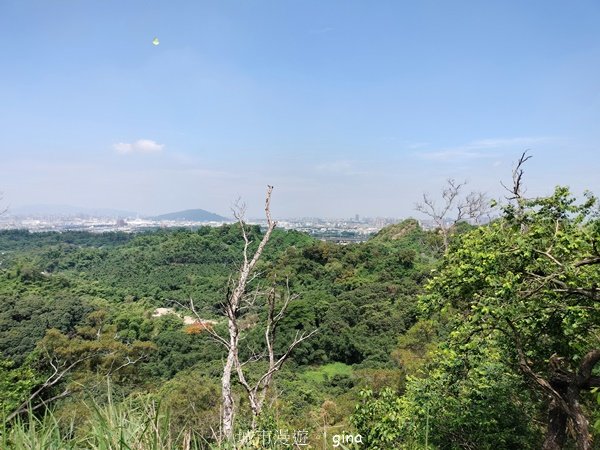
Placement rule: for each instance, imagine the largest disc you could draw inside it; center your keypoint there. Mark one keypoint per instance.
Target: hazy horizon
(70, 210)
(345, 107)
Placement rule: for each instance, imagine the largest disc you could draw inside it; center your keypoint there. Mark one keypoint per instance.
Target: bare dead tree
(455, 208)
(237, 300)
(516, 191)
(232, 306)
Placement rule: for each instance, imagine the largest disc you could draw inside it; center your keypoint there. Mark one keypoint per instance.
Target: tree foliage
(529, 281)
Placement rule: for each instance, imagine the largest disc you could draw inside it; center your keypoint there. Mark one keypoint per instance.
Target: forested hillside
(73, 294)
(492, 343)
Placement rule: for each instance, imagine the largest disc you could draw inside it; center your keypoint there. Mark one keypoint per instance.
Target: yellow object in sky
(155, 41)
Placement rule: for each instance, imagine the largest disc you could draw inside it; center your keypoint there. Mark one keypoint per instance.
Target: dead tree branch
(516, 191)
(232, 306)
(471, 207)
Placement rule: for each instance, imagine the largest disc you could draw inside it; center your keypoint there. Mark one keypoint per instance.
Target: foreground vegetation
(492, 342)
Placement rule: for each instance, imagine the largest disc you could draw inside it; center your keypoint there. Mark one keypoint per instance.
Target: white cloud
(484, 148)
(139, 146)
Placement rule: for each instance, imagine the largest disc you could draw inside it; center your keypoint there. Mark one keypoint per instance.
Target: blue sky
(345, 106)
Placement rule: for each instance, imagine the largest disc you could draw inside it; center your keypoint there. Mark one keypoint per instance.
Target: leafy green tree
(65, 363)
(24, 320)
(15, 385)
(466, 401)
(416, 346)
(193, 402)
(528, 281)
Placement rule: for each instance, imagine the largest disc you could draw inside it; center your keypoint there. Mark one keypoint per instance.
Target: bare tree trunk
(556, 432)
(565, 411)
(445, 232)
(231, 308)
(563, 387)
(581, 425)
(236, 299)
(227, 412)
(559, 418)
(256, 410)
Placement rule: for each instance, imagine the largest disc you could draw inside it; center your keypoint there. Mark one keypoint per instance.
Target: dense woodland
(490, 343)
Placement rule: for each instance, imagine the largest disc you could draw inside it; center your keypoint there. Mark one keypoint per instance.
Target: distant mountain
(192, 215)
(67, 211)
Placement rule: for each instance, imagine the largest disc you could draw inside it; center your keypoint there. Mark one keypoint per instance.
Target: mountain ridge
(194, 215)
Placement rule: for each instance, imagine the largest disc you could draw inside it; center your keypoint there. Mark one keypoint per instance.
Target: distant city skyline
(41, 210)
(346, 107)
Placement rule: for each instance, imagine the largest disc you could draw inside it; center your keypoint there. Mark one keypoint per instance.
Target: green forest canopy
(414, 349)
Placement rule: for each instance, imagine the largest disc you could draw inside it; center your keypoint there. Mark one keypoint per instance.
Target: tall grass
(137, 424)
(33, 433)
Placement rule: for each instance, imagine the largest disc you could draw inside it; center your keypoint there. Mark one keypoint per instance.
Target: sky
(346, 107)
